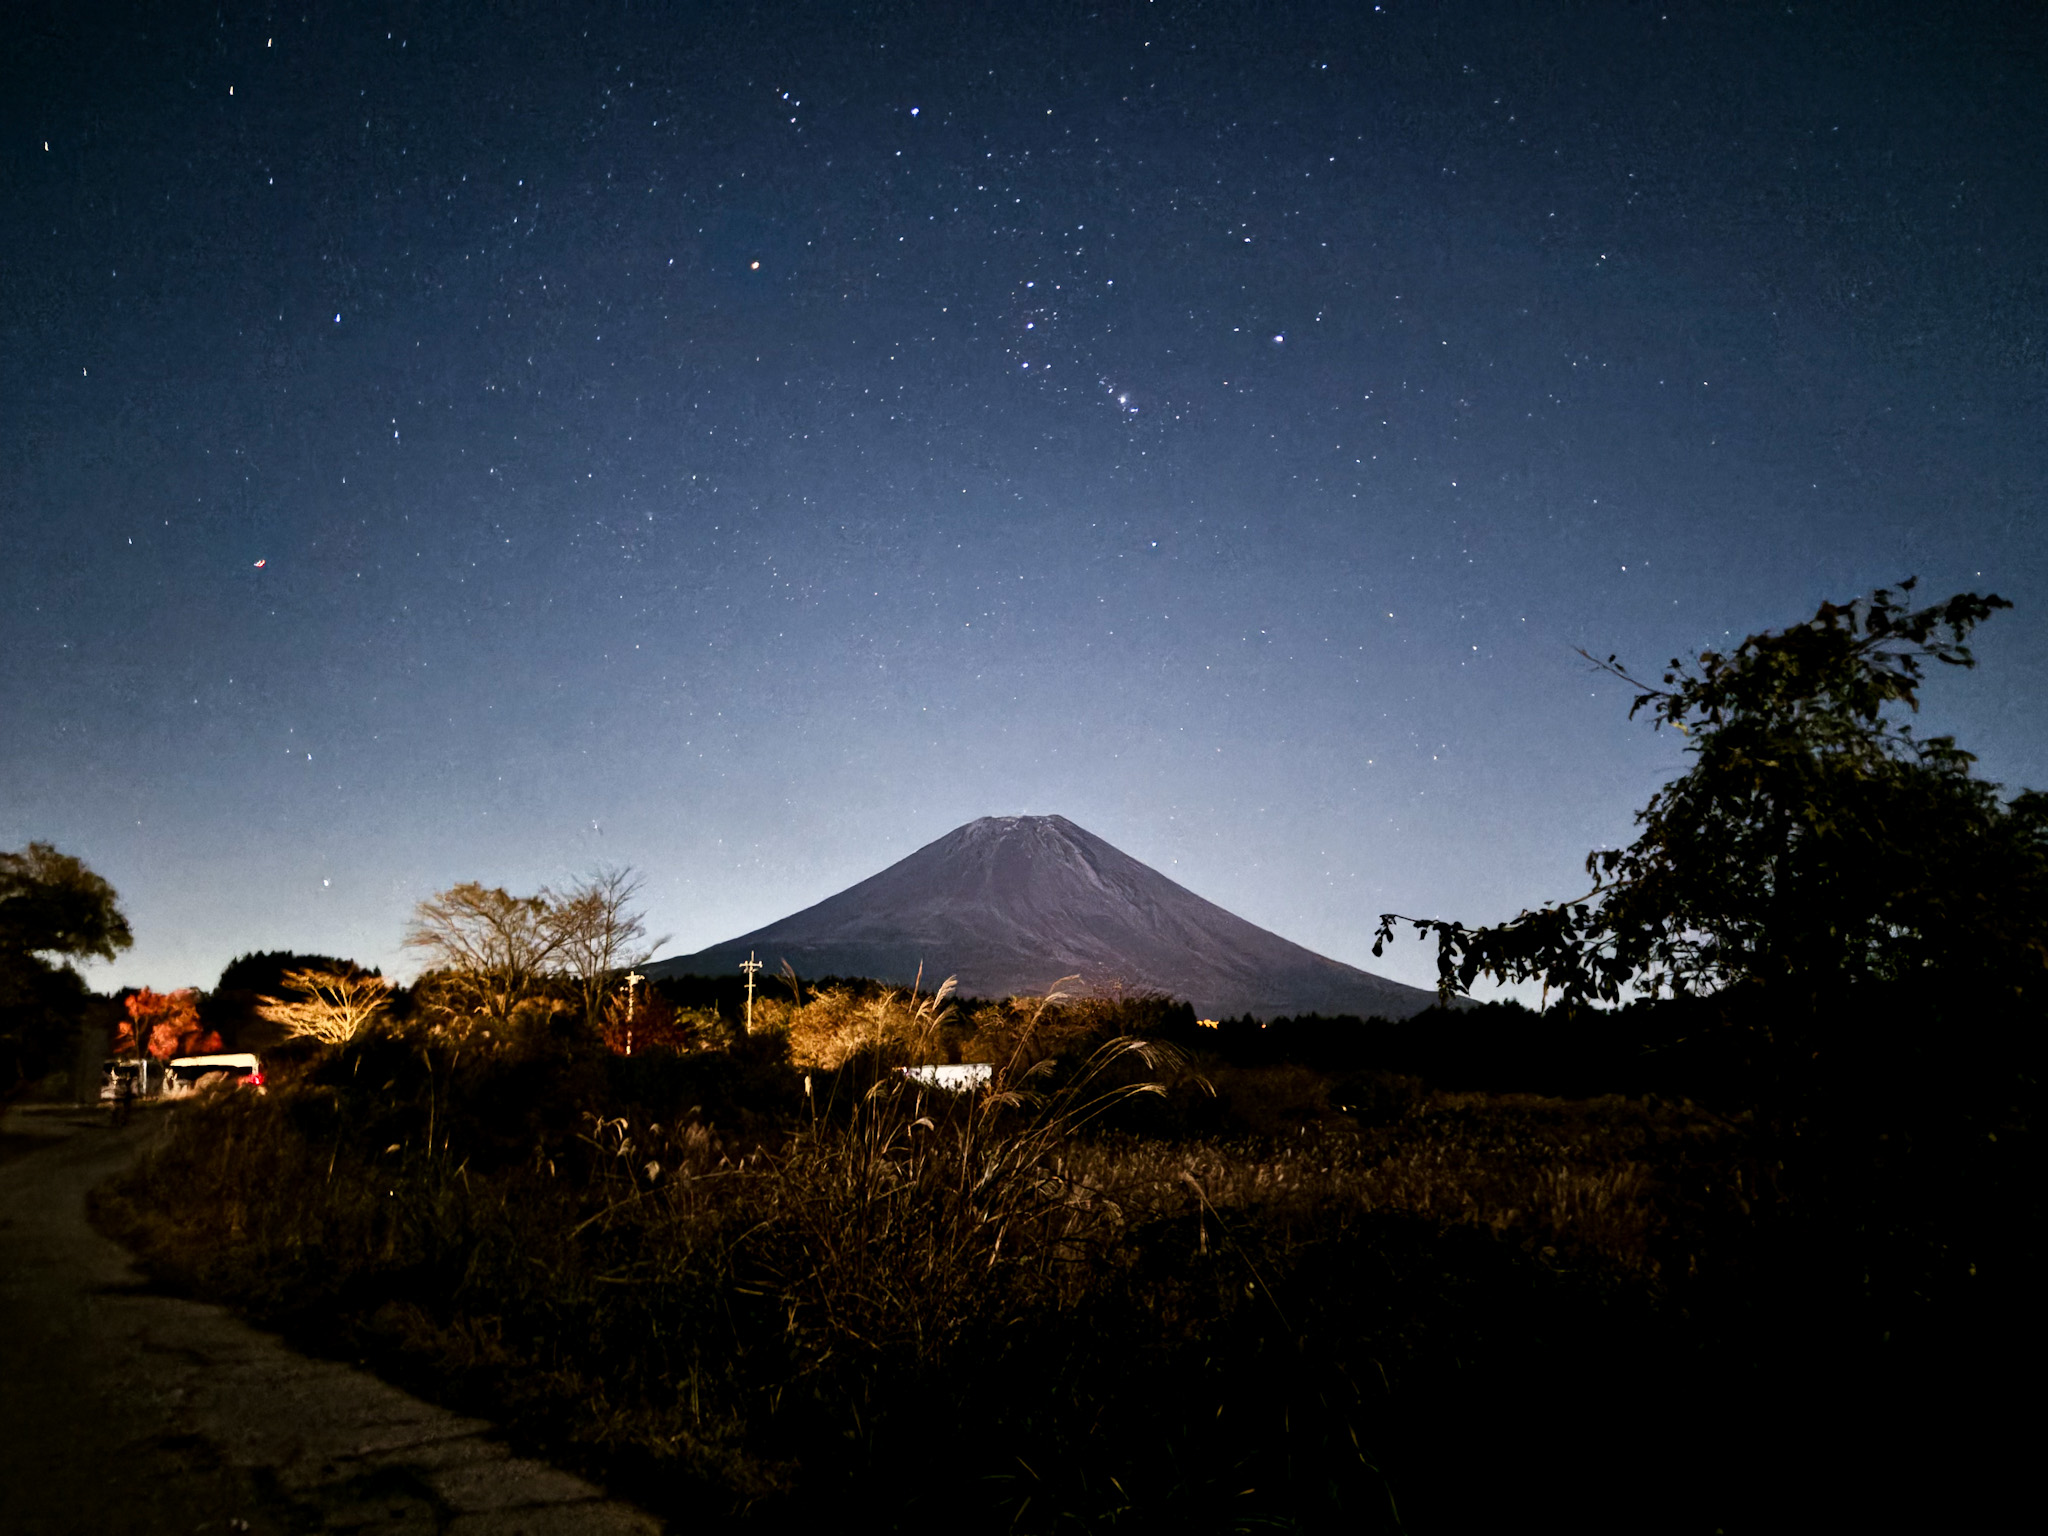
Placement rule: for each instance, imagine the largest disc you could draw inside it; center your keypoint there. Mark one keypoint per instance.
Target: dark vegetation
(53, 909)
(1326, 1295)
(1753, 1254)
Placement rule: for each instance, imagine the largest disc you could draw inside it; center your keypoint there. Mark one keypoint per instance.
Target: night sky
(747, 443)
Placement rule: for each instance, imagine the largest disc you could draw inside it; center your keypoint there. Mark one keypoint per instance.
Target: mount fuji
(1012, 904)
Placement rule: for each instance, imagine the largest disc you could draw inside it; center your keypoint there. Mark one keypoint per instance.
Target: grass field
(1129, 1289)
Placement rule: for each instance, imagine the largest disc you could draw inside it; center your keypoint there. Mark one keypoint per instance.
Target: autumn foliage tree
(166, 1024)
(642, 1020)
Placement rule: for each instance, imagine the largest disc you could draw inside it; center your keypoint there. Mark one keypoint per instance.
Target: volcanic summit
(1012, 904)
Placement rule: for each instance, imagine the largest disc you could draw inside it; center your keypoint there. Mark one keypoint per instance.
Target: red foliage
(169, 1022)
(654, 1026)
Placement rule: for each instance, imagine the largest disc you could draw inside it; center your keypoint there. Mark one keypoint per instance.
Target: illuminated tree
(167, 1024)
(331, 1006)
(493, 950)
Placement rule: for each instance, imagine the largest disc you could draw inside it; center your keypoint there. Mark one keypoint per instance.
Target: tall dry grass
(721, 1316)
(890, 1222)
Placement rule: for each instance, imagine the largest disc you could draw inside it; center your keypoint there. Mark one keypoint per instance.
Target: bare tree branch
(598, 935)
(331, 1006)
(499, 944)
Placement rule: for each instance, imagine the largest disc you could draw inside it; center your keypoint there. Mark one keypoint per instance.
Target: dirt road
(122, 1411)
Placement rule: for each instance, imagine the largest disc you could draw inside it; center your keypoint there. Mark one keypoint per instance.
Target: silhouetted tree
(264, 970)
(52, 908)
(1814, 846)
(1859, 926)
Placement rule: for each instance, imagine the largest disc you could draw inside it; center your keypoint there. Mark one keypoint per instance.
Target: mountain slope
(1011, 904)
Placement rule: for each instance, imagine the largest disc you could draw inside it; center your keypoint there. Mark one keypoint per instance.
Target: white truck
(185, 1075)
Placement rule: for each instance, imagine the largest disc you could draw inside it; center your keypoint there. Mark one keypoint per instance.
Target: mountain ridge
(1012, 904)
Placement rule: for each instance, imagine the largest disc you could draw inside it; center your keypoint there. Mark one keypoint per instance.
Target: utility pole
(750, 965)
(633, 979)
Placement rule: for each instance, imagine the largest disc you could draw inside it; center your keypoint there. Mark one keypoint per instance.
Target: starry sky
(748, 442)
